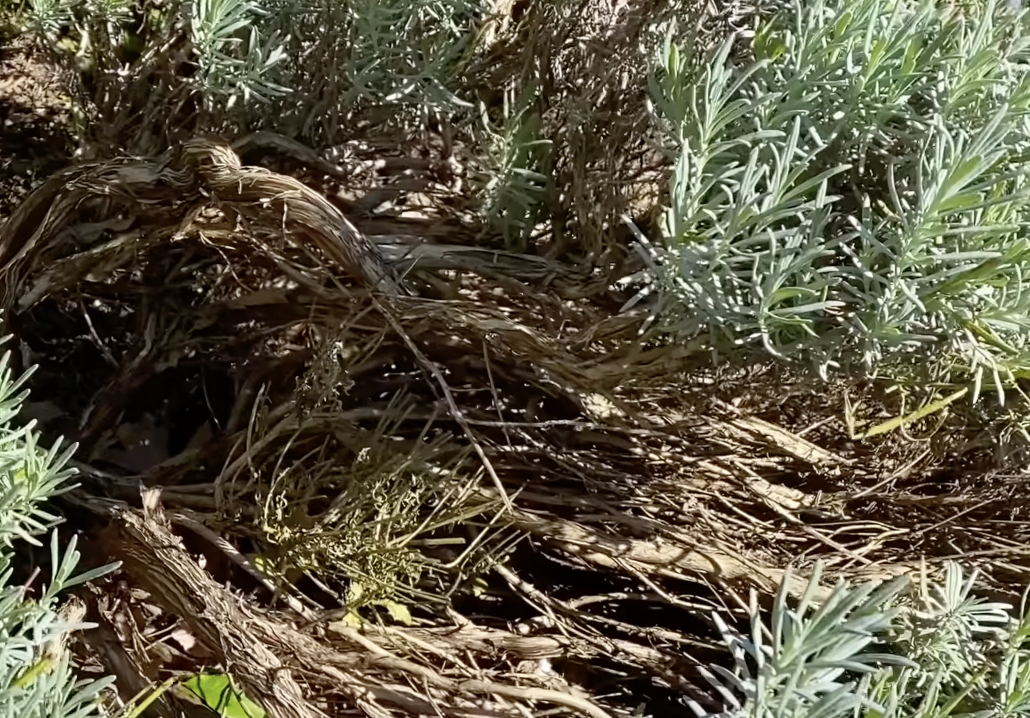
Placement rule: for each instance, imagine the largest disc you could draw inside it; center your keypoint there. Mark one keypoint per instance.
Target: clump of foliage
(387, 504)
(299, 69)
(942, 652)
(514, 187)
(36, 676)
(850, 192)
(362, 61)
(536, 108)
(385, 538)
(141, 76)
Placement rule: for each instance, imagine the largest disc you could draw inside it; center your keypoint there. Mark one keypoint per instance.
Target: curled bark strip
(77, 210)
(217, 618)
(304, 213)
(291, 148)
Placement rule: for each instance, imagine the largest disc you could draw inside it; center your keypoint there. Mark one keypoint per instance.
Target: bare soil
(34, 136)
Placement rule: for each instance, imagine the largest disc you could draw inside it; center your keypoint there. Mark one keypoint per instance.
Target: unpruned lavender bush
(37, 679)
(904, 649)
(850, 192)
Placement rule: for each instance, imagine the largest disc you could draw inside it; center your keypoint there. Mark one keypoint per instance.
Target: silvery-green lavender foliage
(851, 190)
(321, 57)
(896, 650)
(398, 51)
(36, 677)
(237, 62)
(348, 60)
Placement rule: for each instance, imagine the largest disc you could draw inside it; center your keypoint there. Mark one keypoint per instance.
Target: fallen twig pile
(355, 496)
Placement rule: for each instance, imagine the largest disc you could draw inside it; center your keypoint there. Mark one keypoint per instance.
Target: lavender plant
(36, 676)
(301, 69)
(902, 649)
(230, 59)
(356, 59)
(850, 192)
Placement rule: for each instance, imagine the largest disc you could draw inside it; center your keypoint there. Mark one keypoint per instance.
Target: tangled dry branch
(340, 434)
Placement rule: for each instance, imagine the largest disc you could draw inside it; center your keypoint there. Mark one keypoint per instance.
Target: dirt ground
(34, 136)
